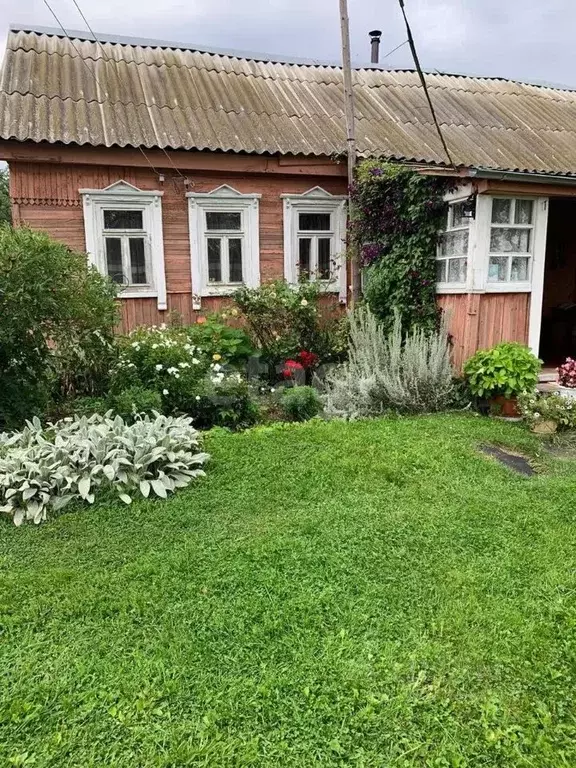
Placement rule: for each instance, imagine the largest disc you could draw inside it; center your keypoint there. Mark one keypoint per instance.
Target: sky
(530, 40)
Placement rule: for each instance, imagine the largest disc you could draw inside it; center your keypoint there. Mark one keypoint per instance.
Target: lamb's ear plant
(43, 469)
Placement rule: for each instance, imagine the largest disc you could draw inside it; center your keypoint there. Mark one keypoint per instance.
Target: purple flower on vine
(376, 171)
(369, 253)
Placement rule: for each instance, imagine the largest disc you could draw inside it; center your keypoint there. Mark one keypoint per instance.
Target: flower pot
(567, 391)
(504, 406)
(544, 427)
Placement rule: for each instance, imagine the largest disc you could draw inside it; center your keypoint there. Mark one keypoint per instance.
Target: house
(184, 172)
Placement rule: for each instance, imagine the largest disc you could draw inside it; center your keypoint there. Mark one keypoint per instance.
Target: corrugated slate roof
(157, 94)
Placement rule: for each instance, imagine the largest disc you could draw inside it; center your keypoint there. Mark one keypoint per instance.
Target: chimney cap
(375, 33)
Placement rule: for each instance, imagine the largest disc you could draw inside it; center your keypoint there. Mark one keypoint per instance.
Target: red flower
(308, 359)
(290, 368)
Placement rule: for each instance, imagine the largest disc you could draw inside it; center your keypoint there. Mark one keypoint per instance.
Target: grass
(368, 594)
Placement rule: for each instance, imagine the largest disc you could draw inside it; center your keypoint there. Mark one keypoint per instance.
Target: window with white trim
(452, 252)
(224, 241)
(511, 240)
(314, 239)
(123, 228)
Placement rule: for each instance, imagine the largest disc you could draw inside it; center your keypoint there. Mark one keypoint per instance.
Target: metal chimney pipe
(375, 36)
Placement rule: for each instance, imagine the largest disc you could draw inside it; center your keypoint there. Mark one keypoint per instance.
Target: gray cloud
(521, 39)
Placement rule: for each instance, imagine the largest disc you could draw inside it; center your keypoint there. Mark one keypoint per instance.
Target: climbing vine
(397, 214)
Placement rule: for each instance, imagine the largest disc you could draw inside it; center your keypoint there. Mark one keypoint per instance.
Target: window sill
(220, 290)
(132, 293)
(524, 287)
(452, 288)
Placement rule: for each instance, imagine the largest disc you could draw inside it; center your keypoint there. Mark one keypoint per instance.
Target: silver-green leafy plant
(395, 372)
(44, 468)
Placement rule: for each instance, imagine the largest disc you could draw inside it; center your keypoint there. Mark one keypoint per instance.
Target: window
(125, 246)
(452, 254)
(314, 233)
(511, 240)
(223, 241)
(123, 227)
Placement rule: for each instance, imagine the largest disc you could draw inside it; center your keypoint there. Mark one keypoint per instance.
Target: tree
(58, 317)
(5, 213)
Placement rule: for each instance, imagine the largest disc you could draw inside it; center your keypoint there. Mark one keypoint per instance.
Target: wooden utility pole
(350, 136)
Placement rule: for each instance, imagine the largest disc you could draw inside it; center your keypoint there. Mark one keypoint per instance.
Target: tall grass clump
(405, 373)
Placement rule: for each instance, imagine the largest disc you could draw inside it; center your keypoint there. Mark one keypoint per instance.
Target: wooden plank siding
(479, 321)
(45, 196)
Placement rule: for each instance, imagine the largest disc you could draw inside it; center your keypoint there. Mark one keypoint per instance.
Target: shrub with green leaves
(507, 369)
(44, 468)
(215, 337)
(58, 318)
(301, 403)
(224, 400)
(284, 320)
(135, 401)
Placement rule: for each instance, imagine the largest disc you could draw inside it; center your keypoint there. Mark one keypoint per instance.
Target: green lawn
(369, 594)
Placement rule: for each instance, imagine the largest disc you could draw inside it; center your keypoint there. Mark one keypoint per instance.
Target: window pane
(454, 243)
(441, 271)
(123, 220)
(314, 221)
(214, 260)
(137, 261)
(223, 220)
(501, 211)
(456, 270)
(458, 218)
(304, 255)
(497, 270)
(523, 213)
(519, 270)
(235, 256)
(510, 240)
(114, 259)
(324, 257)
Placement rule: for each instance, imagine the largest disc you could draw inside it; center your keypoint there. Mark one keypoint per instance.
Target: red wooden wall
(45, 196)
(480, 320)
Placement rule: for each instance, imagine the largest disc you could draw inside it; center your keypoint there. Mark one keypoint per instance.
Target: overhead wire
(424, 84)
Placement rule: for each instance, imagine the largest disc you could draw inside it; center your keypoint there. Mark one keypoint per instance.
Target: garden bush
(186, 377)
(58, 317)
(134, 401)
(43, 469)
(537, 407)
(406, 374)
(301, 403)
(507, 369)
(224, 400)
(215, 337)
(286, 320)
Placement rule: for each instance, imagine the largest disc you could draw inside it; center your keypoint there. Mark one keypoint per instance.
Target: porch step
(548, 380)
(548, 375)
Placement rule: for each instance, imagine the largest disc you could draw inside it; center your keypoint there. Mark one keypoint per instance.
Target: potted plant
(567, 378)
(546, 412)
(502, 373)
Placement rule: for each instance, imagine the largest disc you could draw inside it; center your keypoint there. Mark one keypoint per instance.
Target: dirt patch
(513, 461)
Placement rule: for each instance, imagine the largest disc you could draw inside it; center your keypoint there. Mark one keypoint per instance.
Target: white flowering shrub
(181, 366)
(43, 469)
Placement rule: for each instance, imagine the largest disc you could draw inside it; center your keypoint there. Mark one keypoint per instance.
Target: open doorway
(558, 331)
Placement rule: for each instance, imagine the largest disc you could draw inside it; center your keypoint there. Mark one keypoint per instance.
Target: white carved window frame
(222, 199)
(316, 200)
(124, 196)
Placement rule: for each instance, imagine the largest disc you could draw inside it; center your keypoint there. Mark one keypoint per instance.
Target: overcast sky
(524, 39)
